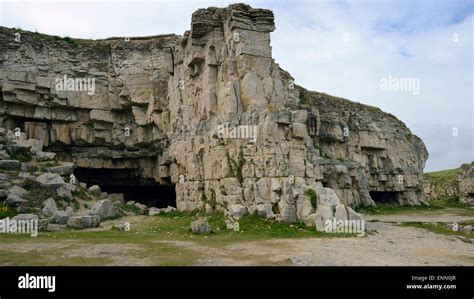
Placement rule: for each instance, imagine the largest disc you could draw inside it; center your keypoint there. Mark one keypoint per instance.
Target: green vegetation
(386, 208)
(252, 227)
(442, 177)
(133, 209)
(6, 212)
(311, 98)
(82, 194)
(37, 194)
(313, 197)
(439, 228)
(235, 167)
(22, 157)
(159, 240)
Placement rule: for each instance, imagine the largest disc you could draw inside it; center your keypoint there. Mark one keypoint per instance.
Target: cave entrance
(131, 184)
(390, 197)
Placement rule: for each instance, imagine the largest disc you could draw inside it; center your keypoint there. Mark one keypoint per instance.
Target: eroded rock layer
(171, 107)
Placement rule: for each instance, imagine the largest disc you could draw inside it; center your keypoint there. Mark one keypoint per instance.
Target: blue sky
(343, 48)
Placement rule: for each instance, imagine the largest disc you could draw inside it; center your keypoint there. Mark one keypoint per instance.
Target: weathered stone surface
(25, 217)
(465, 180)
(16, 196)
(341, 213)
(50, 180)
(49, 207)
(60, 217)
(10, 164)
(237, 210)
(451, 184)
(158, 111)
(201, 226)
(44, 156)
(104, 209)
(84, 221)
(353, 215)
(143, 208)
(323, 213)
(95, 190)
(66, 168)
(328, 197)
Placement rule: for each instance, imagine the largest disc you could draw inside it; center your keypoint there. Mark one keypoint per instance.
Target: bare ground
(386, 244)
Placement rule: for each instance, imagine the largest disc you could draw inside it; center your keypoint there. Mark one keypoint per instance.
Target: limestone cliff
(159, 104)
(452, 184)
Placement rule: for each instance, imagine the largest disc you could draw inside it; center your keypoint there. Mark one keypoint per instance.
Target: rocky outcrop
(210, 112)
(452, 184)
(465, 178)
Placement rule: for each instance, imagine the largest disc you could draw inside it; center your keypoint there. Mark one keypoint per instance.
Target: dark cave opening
(131, 184)
(390, 197)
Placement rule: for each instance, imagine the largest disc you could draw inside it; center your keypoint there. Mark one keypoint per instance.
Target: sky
(343, 48)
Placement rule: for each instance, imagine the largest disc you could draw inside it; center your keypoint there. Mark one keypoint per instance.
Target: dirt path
(389, 245)
(447, 216)
(386, 244)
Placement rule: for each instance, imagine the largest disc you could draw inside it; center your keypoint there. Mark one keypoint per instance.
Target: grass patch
(6, 212)
(386, 208)
(133, 209)
(23, 157)
(439, 228)
(152, 240)
(37, 194)
(313, 197)
(442, 177)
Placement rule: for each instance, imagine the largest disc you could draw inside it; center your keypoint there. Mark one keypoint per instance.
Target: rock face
(210, 112)
(465, 180)
(454, 184)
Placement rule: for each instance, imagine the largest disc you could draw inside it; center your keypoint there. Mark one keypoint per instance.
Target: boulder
(18, 190)
(201, 226)
(310, 221)
(153, 211)
(467, 229)
(49, 207)
(141, 207)
(66, 168)
(95, 190)
(60, 217)
(327, 197)
(83, 221)
(341, 213)
(44, 156)
(237, 210)
(265, 211)
(64, 193)
(69, 211)
(104, 209)
(16, 196)
(15, 199)
(353, 215)
(323, 214)
(50, 180)
(23, 217)
(118, 197)
(10, 164)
